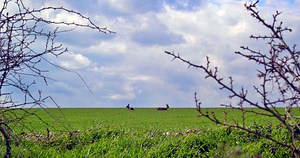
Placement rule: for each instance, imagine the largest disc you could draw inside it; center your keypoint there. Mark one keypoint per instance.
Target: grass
(103, 141)
(145, 132)
(176, 119)
(139, 119)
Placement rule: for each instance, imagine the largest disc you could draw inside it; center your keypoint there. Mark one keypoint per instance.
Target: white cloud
(208, 31)
(74, 61)
(124, 68)
(57, 14)
(126, 92)
(111, 70)
(154, 32)
(144, 78)
(241, 27)
(108, 47)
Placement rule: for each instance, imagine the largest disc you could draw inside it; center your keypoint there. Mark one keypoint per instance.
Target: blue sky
(130, 66)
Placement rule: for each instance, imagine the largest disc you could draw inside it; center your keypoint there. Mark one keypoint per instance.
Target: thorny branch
(22, 30)
(279, 77)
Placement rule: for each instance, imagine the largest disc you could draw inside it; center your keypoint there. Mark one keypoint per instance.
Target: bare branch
(278, 73)
(21, 63)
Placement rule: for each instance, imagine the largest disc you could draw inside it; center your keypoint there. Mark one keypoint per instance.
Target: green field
(144, 132)
(175, 119)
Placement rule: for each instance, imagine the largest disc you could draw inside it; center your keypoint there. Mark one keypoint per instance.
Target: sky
(130, 66)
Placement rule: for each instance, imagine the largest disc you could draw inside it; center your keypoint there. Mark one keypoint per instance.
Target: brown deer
(129, 108)
(163, 108)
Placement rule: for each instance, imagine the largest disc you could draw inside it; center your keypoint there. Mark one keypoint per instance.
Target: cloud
(279, 4)
(113, 8)
(74, 35)
(127, 92)
(74, 61)
(158, 37)
(130, 66)
(154, 32)
(186, 5)
(143, 78)
(131, 7)
(82, 37)
(108, 48)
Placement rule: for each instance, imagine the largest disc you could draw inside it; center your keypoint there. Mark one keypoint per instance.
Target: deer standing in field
(163, 108)
(129, 108)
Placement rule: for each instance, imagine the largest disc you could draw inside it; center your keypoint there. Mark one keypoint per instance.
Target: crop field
(139, 119)
(143, 132)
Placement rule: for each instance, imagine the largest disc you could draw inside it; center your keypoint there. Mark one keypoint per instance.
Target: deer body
(129, 108)
(163, 108)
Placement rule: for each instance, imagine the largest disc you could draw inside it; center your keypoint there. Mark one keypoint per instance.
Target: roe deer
(162, 108)
(129, 108)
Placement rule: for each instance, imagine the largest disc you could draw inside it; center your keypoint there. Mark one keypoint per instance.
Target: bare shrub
(278, 73)
(26, 39)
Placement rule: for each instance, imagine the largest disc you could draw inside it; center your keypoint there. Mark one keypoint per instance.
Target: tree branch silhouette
(21, 30)
(278, 74)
